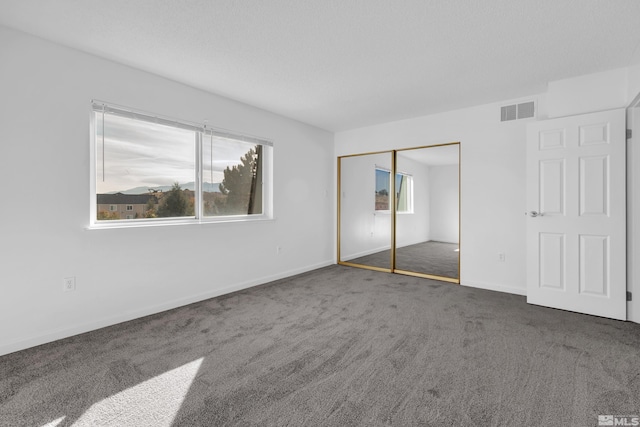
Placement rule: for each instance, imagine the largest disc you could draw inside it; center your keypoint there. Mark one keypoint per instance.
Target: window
(404, 191)
(231, 187)
(383, 183)
(170, 171)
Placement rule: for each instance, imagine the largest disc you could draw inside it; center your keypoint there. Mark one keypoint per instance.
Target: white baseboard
(58, 334)
(364, 253)
(493, 287)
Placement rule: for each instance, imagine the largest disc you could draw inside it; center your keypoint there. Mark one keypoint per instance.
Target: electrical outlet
(69, 284)
(502, 257)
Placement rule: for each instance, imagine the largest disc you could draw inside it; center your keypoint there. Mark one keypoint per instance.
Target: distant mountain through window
(206, 187)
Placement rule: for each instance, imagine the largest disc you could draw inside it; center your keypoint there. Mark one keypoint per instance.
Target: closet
(399, 211)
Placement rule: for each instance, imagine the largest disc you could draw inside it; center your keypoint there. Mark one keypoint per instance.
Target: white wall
(412, 228)
(121, 274)
(444, 212)
(633, 78)
(589, 93)
(492, 179)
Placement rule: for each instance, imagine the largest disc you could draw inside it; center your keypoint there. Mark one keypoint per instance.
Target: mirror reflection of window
(404, 191)
(383, 184)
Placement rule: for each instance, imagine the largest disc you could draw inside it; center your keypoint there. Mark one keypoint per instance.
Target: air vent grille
(524, 110)
(508, 113)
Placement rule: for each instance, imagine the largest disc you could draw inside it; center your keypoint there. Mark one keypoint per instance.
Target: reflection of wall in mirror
(363, 231)
(444, 211)
(412, 228)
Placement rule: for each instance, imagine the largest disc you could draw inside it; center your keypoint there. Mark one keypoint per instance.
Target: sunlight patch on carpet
(54, 423)
(153, 402)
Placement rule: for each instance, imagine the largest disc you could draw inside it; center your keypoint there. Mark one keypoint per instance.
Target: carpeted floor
(435, 258)
(339, 346)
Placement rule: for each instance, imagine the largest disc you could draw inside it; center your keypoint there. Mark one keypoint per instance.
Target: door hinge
(629, 132)
(628, 296)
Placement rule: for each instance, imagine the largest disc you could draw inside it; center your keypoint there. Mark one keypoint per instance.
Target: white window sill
(114, 224)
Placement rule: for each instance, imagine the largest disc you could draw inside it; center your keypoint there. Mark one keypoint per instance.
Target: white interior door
(576, 230)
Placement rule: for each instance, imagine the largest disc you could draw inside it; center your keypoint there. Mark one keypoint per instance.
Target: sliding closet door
(365, 219)
(399, 211)
(427, 212)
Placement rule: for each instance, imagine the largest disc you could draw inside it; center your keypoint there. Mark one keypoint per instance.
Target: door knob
(533, 214)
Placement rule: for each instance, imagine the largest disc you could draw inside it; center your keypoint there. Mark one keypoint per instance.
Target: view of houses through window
(148, 168)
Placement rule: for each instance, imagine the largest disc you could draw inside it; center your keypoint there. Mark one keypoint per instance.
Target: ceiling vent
(518, 111)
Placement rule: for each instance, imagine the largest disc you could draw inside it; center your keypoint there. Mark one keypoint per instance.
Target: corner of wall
(633, 85)
(588, 93)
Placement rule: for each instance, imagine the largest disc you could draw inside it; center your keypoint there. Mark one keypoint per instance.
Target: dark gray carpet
(436, 258)
(339, 346)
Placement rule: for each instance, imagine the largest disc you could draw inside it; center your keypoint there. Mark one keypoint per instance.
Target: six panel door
(576, 232)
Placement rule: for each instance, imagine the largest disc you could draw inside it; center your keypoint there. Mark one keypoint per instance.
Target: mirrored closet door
(400, 211)
(428, 219)
(365, 215)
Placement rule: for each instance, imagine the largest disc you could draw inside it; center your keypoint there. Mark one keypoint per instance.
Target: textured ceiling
(340, 64)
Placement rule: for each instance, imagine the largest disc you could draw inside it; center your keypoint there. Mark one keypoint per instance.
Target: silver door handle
(533, 214)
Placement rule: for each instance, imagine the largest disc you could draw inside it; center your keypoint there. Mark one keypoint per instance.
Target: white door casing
(576, 246)
(633, 211)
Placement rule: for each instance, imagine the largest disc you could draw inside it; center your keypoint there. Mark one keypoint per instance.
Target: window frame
(409, 192)
(199, 130)
(375, 183)
(409, 209)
